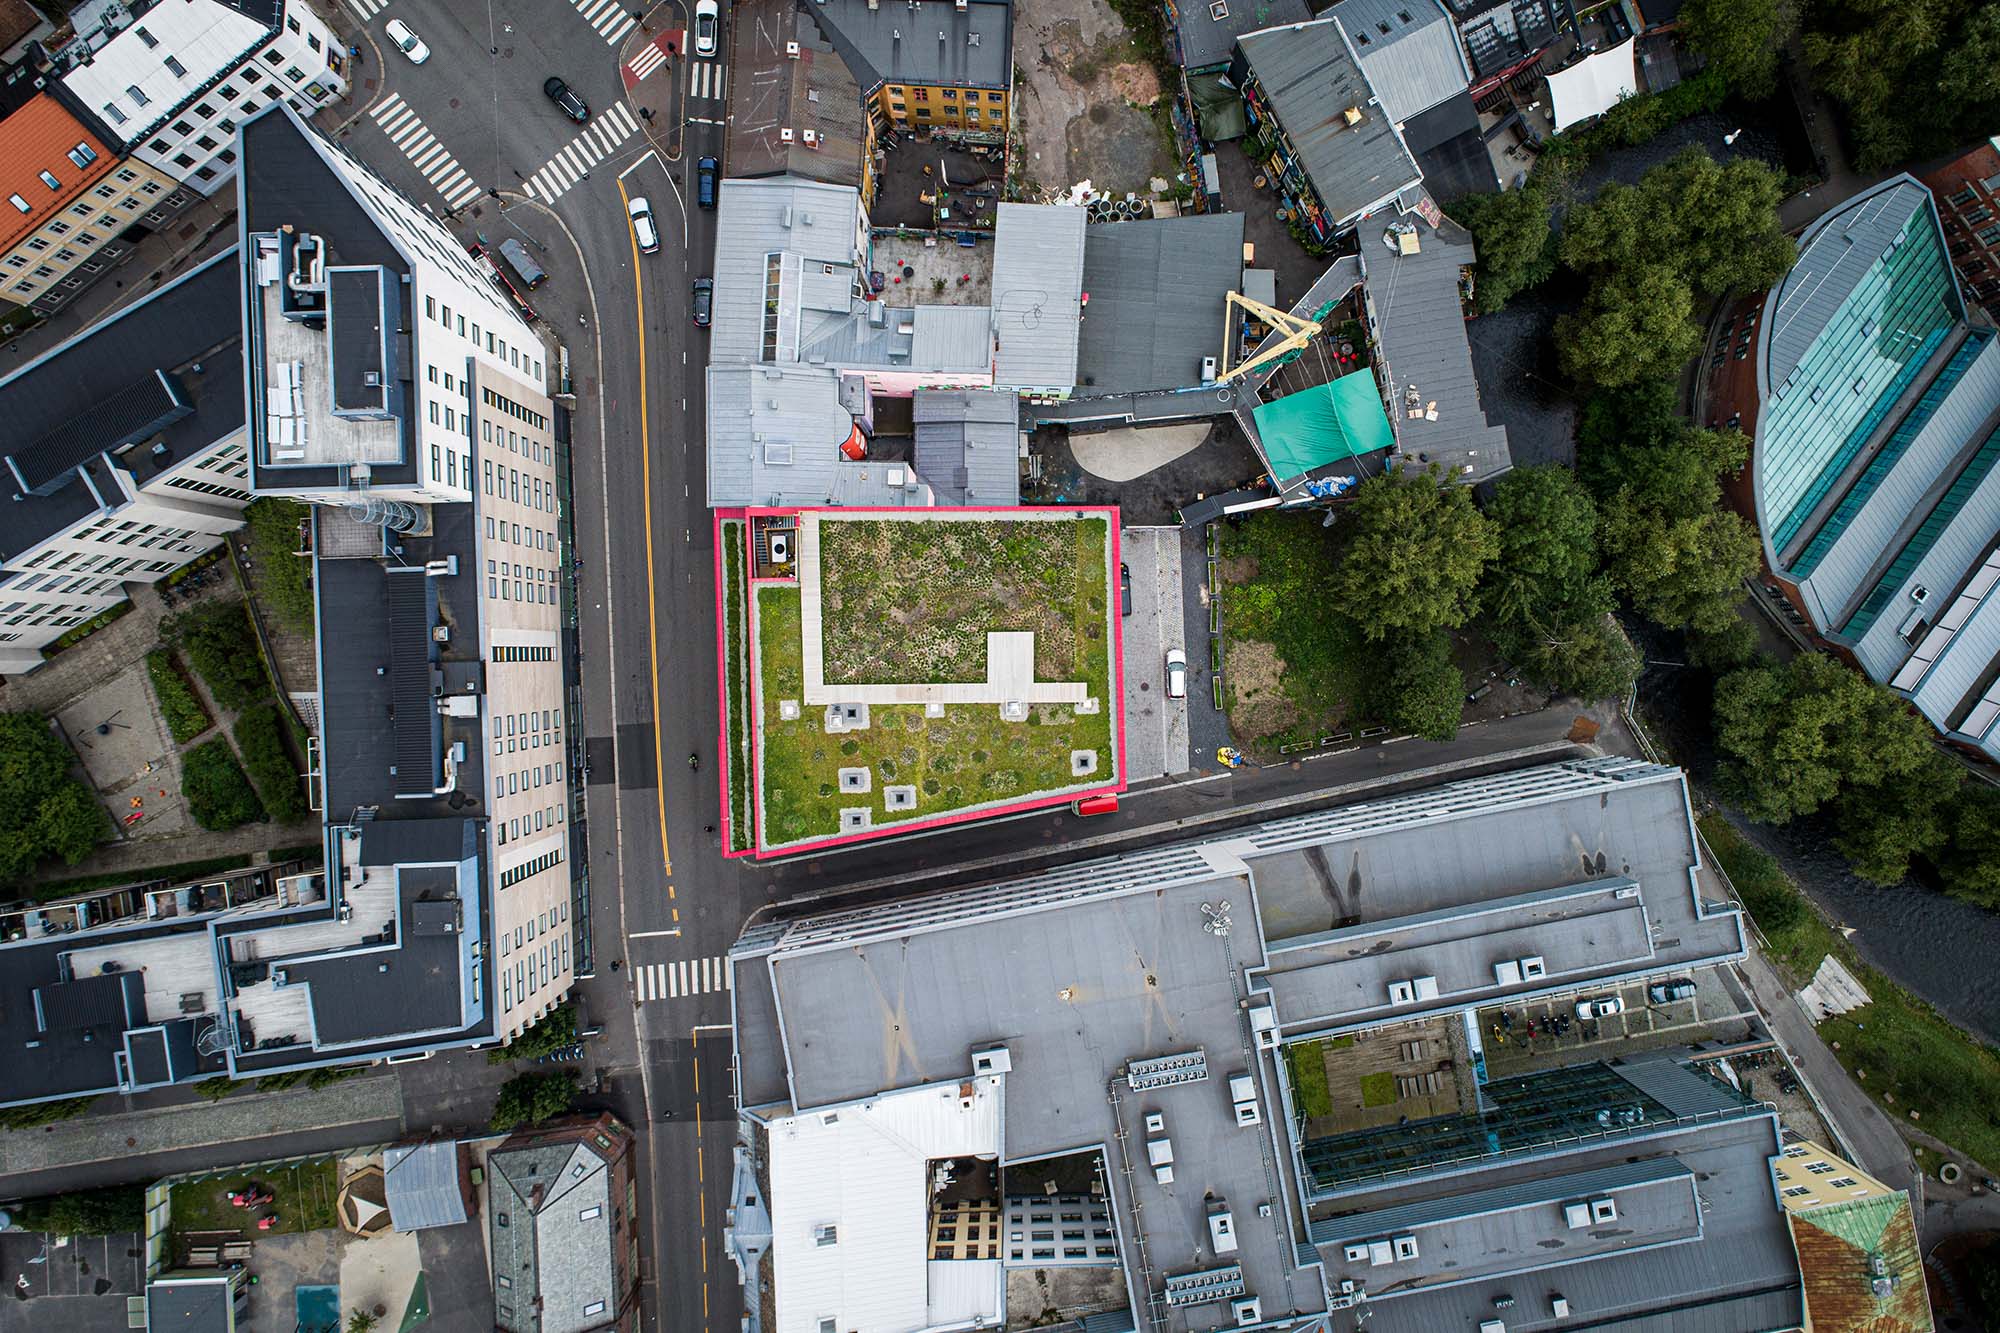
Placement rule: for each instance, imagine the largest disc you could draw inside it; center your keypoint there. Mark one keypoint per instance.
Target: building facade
(929, 65)
(175, 78)
(1967, 192)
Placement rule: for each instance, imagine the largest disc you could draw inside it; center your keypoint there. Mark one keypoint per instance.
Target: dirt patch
(1257, 702)
(1137, 84)
(1081, 104)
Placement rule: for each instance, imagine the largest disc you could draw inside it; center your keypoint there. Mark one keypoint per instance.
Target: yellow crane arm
(1296, 330)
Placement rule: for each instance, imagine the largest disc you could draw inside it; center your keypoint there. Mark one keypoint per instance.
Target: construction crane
(1290, 334)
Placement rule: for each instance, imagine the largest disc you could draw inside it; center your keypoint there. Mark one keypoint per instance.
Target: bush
(218, 639)
(100, 1212)
(1305, 1063)
(260, 738)
(551, 1032)
(44, 812)
(218, 795)
(215, 1089)
(529, 1099)
(36, 1114)
(283, 578)
(186, 718)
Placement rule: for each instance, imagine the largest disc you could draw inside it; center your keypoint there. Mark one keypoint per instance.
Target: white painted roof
(1594, 84)
(207, 38)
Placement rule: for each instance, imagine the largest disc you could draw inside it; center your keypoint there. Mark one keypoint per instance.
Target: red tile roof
(17, 19)
(35, 139)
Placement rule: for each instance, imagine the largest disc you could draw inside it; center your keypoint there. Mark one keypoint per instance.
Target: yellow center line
(646, 481)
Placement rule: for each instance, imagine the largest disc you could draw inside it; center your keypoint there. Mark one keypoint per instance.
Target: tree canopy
(529, 1099)
(1916, 76)
(44, 812)
(1419, 689)
(1513, 239)
(1741, 38)
(1416, 548)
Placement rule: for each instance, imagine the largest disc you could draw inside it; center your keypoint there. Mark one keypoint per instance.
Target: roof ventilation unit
(1533, 968)
(1247, 1311)
(1264, 1023)
(992, 1060)
(1401, 992)
(792, 50)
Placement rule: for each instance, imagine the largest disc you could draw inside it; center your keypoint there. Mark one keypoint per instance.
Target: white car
(1602, 1007)
(706, 20)
(642, 224)
(407, 42)
(1176, 674)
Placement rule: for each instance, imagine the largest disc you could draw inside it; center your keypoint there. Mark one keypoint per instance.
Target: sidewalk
(651, 63)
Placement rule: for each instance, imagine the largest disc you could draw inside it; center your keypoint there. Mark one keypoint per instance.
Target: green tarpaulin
(1218, 106)
(1323, 424)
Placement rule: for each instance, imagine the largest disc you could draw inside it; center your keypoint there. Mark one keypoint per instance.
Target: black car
(1124, 589)
(704, 299)
(564, 97)
(704, 188)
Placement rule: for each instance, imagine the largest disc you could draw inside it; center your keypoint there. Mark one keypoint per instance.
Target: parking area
(1156, 727)
(78, 1285)
(1547, 1033)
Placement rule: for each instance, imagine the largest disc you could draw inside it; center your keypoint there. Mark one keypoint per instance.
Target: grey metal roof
(1158, 292)
(968, 47)
(1409, 50)
(968, 445)
(774, 434)
(1420, 330)
(756, 218)
(559, 1260)
(422, 1186)
(771, 90)
(1310, 78)
(1206, 41)
(1038, 257)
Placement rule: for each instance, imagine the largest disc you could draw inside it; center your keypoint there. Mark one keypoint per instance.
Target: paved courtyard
(76, 1285)
(118, 733)
(1156, 727)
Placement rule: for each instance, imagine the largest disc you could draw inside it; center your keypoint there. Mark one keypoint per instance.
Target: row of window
(519, 444)
(540, 539)
(551, 960)
(526, 779)
(83, 155)
(514, 409)
(531, 583)
(534, 865)
(950, 94)
(518, 653)
(526, 826)
(522, 488)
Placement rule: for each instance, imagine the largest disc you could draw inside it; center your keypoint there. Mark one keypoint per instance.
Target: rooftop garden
(909, 602)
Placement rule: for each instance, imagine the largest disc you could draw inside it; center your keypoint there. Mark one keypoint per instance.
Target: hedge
(260, 738)
(186, 718)
(218, 640)
(218, 795)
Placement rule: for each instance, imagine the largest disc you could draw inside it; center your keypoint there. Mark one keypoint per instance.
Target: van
(704, 181)
(1106, 804)
(523, 263)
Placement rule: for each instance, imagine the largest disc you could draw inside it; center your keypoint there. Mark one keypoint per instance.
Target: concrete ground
(118, 734)
(1085, 108)
(74, 1284)
(461, 1289)
(379, 1272)
(1714, 1014)
(1156, 727)
(915, 167)
(1222, 462)
(1126, 453)
(965, 270)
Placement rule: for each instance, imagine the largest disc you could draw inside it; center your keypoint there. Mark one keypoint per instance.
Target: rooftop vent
(792, 50)
(1352, 115)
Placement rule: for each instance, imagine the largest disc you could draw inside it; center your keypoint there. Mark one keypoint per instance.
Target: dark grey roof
(147, 1051)
(392, 842)
(1423, 348)
(419, 986)
(358, 330)
(968, 445)
(107, 1000)
(57, 1063)
(932, 44)
(189, 1305)
(1310, 79)
(127, 378)
(423, 1186)
(559, 1260)
(1452, 154)
(1204, 41)
(1158, 289)
(413, 696)
(771, 90)
(1495, 40)
(1409, 50)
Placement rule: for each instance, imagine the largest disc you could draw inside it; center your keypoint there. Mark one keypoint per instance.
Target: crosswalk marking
(367, 9)
(410, 136)
(705, 80)
(566, 168)
(610, 17)
(646, 61)
(683, 977)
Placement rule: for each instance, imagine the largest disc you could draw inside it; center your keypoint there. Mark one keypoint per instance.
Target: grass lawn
(735, 629)
(1378, 1088)
(1305, 1064)
(305, 1201)
(1896, 1044)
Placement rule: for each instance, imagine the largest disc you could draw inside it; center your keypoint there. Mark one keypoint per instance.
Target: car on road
(1124, 589)
(704, 181)
(1601, 1006)
(566, 99)
(1176, 674)
(406, 41)
(706, 21)
(704, 301)
(642, 224)
(1666, 992)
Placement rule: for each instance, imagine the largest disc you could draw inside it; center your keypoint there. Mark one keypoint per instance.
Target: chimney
(792, 50)
(785, 135)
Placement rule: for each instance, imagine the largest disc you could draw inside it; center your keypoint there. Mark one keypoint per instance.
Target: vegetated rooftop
(933, 663)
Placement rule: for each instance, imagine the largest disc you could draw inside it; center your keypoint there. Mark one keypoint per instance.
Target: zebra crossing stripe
(681, 978)
(590, 147)
(706, 80)
(367, 9)
(407, 132)
(646, 61)
(609, 17)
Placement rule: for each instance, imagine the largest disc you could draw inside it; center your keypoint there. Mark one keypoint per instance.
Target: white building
(124, 458)
(173, 79)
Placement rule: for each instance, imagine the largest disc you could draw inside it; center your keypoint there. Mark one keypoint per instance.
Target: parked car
(1124, 589)
(704, 181)
(406, 41)
(1601, 1006)
(643, 229)
(566, 99)
(704, 301)
(1176, 674)
(706, 21)
(1666, 992)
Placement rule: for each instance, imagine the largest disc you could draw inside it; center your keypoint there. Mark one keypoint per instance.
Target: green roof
(1323, 424)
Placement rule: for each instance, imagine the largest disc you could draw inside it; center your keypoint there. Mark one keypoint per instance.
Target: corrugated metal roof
(1311, 79)
(968, 445)
(756, 218)
(1676, 1086)
(774, 434)
(1409, 50)
(1207, 37)
(959, 46)
(1158, 289)
(771, 90)
(1037, 279)
(422, 1186)
(39, 138)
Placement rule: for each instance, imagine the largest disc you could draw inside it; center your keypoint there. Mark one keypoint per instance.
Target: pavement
(1125, 453)
(76, 1284)
(1156, 728)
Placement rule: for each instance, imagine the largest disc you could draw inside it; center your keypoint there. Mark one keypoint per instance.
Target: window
(81, 210)
(147, 37)
(19, 203)
(1844, 1182)
(49, 180)
(137, 94)
(312, 41)
(295, 74)
(176, 68)
(204, 110)
(183, 160)
(590, 1214)
(83, 155)
(292, 24)
(595, 1307)
(113, 114)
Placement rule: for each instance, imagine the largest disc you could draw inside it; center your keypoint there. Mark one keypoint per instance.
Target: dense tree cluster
(1741, 39)
(1916, 76)
(45, 814)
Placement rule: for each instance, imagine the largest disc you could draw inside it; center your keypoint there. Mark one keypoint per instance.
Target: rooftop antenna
(1217, 915)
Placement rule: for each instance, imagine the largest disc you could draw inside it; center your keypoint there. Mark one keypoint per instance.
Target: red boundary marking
(959, 816)
(722, 678)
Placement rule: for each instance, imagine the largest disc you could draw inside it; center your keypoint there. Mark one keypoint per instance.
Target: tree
(283, 577)
(1419, 689)
(99, 1212)
(218, 640)
(1589, 657)
(35, 1115)
(1415, 550)
(44, 812)
(548, 1034)
(1513, 239)
(215, 1089)
(1741, 38)
(1794, 737)
(1916, 76)
(1970, 863)
(1633, 325)
(360, 1321)
(1906, 815)
(529, 1099)
(1547, 529)
(1680, 572)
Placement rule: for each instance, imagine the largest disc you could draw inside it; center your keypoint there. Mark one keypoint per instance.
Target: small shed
(426, 1185)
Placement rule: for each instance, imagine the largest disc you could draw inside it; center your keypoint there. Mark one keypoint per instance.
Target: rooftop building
(1967, 193)
(1141, 1005)
(1857, 1245)
(1875, 440)
(1202, 33)
(794, 106)
(1409, 49)
(560, 1228)
(925, 64)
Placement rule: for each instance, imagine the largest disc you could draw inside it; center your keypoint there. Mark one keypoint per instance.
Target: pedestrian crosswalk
(610, 17)
(688, 976)
(611, 128)
(408, 132)
(367, 9)
(649, 60)
(705, 79)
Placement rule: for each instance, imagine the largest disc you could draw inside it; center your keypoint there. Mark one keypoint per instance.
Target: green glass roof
(1323, 424)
